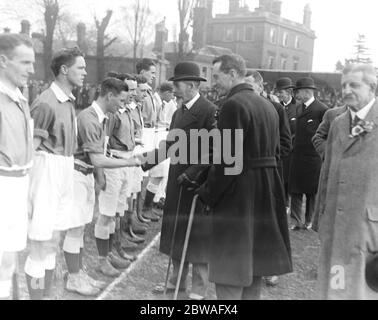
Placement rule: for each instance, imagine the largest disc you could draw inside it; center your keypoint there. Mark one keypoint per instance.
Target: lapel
(308, 110)
(185, 118)
(348, 142)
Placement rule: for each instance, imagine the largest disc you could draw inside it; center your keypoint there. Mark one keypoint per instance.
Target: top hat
(284, 83)
(305, 83)
(187, 71)
(371, 273)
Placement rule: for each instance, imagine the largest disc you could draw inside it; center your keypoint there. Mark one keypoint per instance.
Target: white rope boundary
(132, 266)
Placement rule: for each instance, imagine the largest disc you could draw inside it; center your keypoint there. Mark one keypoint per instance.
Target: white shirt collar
(101, 115)
(132, 105)
(15, 95)
(286, 104)
(309, 102)
(362, 113)
(193, 101)
(60, 95)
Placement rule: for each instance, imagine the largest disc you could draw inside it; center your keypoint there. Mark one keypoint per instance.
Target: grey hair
(368, 72)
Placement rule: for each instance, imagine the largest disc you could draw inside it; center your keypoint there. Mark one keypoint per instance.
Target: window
(296, 42)
(249, 34)
(229, 34)
(283, 63)
(296, 64)
(285, 39)
(271, 62)
(273, 35)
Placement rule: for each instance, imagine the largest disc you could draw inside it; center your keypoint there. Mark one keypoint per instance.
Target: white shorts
(84, 200)
(13, 213)
(51, 195)
(118, 188)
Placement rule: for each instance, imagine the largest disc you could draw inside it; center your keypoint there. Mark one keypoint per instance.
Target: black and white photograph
(188, 150)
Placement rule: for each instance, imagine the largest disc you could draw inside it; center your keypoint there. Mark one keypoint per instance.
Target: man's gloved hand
(185, 182)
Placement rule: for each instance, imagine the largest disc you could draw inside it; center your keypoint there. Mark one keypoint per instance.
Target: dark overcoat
(249, 225)
(291, 112)
(306, 163)
(199, 116)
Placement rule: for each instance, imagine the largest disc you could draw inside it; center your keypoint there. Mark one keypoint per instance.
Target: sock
(5, 289)
(102, 240)
(112, 228)
(35, 278)
(81, 254)
(71, 249)
(50, 263)
(148, 199)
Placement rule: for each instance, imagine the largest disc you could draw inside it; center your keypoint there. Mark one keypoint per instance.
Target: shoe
(297, 228)
(161, 203)
(107, 269)
(126, 244)
(118, 262)
(159, 288)
(308, 226)
(156, 210)
(196, 297)
(122, 254)
(138, 228)
(151, 216)
(75, 283)
(271, 281)
(95, 283)
(133, 237)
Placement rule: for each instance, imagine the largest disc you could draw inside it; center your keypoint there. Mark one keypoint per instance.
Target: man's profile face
(150, 75)
(132, 90)
(356, 92)
(141, 92)
(19, 66)
(283, 95)
(76, 73)
(222, 81)
(115, 101)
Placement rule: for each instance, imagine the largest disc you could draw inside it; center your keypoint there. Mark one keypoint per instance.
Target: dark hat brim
(187, 78)
(306, 87)
(285, 87)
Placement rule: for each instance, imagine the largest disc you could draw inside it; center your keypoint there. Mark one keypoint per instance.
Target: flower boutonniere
(362, 127)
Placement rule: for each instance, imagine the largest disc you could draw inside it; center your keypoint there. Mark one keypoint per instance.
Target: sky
(336, 23)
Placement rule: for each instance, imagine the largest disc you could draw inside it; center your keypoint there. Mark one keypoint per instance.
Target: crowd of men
(60, 170)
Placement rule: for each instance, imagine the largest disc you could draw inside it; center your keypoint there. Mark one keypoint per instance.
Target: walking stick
(188, 231)
(172, 241)
(15, 282)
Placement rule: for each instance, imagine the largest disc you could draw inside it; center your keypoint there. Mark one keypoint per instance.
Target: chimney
(161, 37)
(276, 7)
(265, 5)
(81, 37)
(7, 30)
(25, 27)
(307, 16)
(234, 6)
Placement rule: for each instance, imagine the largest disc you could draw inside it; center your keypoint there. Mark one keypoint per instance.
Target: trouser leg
(253, 292)
(296, 208)
(175, 272)
(226, 292)
(199, 279)
(310, 207)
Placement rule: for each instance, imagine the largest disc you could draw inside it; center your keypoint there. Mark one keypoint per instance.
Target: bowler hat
(284, 83)
(187, 71)
(305, 83)
(371, 273)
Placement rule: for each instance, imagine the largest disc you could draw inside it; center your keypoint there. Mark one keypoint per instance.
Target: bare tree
(137, 17)
(185, 8)
(101, 45)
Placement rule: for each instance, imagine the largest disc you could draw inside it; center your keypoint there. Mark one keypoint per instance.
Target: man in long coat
(197, 113)
(305, 163)
(249, 237)
(284, 91)
(348, 202)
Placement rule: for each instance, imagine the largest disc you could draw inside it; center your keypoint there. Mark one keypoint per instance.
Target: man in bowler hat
(196, 112)
(306, 162)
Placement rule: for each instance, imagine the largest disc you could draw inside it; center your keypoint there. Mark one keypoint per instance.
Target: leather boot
(149, 214)
(132, 236)
(148, 200)
(119, 249)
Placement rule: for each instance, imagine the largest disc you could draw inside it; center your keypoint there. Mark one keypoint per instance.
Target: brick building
(264, 38)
